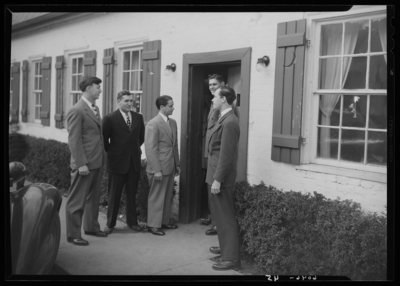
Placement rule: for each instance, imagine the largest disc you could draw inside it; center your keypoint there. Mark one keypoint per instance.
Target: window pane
(74, 66)
(378, 112)
(125, 80)
(40, 83)
(134, 81)
(80, 65)
(354, 111)
(378, 35)
(328, 143)
(36, 68)
(141, 60)
(331, 39)
(78, 81)
(40, 69)
(329, 76)
(36, 83)
(354, 72)
(141, 80)
(73, 85)
(356, 37)
(378, 73)
(127, 59)
(329, 110)
(377, 148)
(137, 101)
(135, 60)
(352, 146)
(37, 99)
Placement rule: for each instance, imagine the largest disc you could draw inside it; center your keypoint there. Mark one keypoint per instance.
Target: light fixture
(262, 62)
(169, 69)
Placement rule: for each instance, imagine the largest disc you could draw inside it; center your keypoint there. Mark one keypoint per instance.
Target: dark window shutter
(46, 89)
(15, 90)
(108, 81)
(59, 91)
(151, 78)
(288, 94)
(89, 63)
(24, 111)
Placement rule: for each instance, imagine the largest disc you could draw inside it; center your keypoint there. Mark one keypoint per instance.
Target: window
(350, 94)
(132, 74)
(37, 90)
(76, 77)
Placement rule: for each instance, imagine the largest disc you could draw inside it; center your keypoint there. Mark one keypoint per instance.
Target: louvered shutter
(24, 111)
(89, 63)
(288, 94)
(108, 81)
(46, 89)
(15, 92)
(59, 91)
(151, 78)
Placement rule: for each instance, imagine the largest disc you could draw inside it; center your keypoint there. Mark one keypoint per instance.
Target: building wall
(183, 33)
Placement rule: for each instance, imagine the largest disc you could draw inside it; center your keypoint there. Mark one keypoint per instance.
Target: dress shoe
(108, 230)
(227, 264)
(205, 221)
(216, 258)
(212, 231)
(215, 250)
(77, 241)
(98, 233)
(156, 231)
(169, 226)
(137, 228)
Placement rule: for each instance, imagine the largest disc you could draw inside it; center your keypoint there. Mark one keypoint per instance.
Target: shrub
(291, 233)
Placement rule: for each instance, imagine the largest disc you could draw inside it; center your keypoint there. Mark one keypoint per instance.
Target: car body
(34, 224)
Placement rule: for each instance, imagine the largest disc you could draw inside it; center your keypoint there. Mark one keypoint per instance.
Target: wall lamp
(169, 69)
(262, 62)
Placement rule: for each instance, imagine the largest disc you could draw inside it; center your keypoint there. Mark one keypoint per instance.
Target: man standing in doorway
(85, 142)
(123, 134)
(222, 148)
(162, 165)
(215, 81)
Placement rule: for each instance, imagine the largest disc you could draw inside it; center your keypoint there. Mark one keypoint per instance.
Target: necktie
(169, 125)
(128, 121)
(94, 108)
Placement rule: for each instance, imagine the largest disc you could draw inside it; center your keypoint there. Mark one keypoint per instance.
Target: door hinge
(308, 43)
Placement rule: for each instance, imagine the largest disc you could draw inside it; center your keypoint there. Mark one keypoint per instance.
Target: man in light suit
(85, 142)
(123, 134)
(162, 165)
(222, 148)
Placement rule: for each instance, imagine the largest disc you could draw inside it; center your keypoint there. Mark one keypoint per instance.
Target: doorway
(234, 66)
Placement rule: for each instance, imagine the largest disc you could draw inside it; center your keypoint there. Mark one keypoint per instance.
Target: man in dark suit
(123, 134)
(222, 148)
(161, 148)
(85, 142)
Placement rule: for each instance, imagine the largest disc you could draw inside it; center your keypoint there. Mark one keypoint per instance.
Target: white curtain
(331, 78)
(383, 35)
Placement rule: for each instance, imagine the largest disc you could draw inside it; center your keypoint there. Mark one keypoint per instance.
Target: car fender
(32, 210)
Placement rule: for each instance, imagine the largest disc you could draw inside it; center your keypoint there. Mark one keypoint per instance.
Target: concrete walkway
(183, 251)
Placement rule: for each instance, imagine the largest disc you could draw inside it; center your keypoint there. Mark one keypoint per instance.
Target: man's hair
(88, 81)
(217, 77)
(228, 92)
(122, 93)
(162, 100)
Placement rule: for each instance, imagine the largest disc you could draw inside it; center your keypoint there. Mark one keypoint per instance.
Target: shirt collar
(225, 111)
(87, 101)
(163, 117)
(124, 115)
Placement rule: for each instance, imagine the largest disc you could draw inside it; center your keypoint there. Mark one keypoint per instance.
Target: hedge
(285, 233)
(290, 233)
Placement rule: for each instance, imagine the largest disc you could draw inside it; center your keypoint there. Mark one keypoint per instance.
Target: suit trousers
(227, 226)
(160, 198)
(83, 203)
(116, 183)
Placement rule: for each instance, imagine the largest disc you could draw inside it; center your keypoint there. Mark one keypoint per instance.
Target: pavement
(181, 251)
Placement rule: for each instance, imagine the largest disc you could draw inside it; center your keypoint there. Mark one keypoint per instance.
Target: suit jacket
(161, 146)
(85, 138)
(121, 144)
(222, 151)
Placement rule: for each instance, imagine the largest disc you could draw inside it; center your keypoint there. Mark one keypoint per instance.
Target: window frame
(137, 46)
(37, 92)
(311, 100)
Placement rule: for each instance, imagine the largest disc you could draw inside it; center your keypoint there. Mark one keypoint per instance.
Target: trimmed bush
(291, 233)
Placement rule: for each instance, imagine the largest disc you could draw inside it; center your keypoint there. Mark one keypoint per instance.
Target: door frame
(187, 198)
